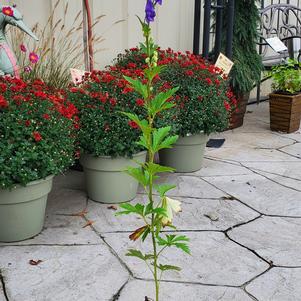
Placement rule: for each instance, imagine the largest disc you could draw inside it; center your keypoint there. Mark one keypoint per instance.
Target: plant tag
(224, 63)
(276, 44)
(77, 75)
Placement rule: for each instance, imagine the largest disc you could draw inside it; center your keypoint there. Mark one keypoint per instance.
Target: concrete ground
(242, 212)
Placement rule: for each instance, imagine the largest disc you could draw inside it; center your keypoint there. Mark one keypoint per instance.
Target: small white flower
(170, 205)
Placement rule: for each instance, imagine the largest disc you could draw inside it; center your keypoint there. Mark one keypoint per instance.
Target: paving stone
(278, 284)
(218, 168)
(266, 140)
(294, 150)
(66, 201)
(214, 260)
(63, 230)
(286, 169)
(275, 239)
(189, 186)
(195, 215)
(78, 273)
(136, 290)
(294, 136)
(2, 297)
(261, 194)
(245, 154)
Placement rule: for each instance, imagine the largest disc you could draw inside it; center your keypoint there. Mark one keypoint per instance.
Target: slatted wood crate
(285, 112)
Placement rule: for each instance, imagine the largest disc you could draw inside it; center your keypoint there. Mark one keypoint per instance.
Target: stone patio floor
(242, 212)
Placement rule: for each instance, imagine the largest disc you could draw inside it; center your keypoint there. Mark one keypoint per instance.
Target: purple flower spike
(158, 2)
(150, 13)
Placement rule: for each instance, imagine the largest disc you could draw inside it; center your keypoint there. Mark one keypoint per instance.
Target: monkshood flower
(23, 48)
(150, 12)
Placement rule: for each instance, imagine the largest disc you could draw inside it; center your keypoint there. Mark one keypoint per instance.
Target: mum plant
(203, 101)
(37, 132)
(156, 215)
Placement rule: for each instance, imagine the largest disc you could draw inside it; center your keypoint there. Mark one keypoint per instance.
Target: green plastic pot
(186, 155)
(22, 210)
(106, 180)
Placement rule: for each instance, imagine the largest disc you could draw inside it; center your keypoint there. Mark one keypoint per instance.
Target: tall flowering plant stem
(157, 213)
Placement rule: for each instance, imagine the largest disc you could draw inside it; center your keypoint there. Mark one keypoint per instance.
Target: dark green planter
(186, 155)
(106, 181)
(22, 210)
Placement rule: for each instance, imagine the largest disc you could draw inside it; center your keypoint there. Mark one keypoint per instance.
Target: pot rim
(119, 157)
(32, 183)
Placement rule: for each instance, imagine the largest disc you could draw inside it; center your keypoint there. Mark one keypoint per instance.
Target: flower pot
(22, 210)
(285, 112)
(186, 155)
(106, 180)
(237, 117)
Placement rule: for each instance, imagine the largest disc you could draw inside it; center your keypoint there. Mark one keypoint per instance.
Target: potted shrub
(203, 104)
(247, 68)
(285, 102)
(107, 139)
(37, 135)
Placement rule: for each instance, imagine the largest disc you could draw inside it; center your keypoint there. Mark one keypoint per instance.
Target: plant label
(224, 63)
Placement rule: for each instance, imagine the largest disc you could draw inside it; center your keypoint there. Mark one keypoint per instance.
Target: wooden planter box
(285, 112)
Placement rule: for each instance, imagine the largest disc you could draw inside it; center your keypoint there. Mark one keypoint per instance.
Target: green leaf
(154, 168)
(184, 247)
(162, 189)
(158, 136)
(160, 99)
(138, 86)
(167, 267)
(168, 142)
(143, 124)
(151, 73)
(135, 253)
(138, 174)
(128, 208)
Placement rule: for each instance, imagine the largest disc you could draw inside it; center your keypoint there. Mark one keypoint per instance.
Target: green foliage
(37, 132)
(287, 77)
(247, 62)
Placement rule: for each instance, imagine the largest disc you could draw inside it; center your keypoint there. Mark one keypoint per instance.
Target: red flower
(127, 90)
(37, 136)
(133, 124)
(3, 87)
(113, 102)
(208, 81)
(23, 48)
(139, 102)
(27, 123)
(33, 57)
(6, 10)
(46, 116)
(227, 106)
(189, 73)
(3, 102)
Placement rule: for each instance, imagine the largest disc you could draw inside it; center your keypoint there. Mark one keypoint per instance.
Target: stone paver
(278, 284)
(197, 214)
(214, 260)
(294, 150)
(63, 230)
(275, 239)
(2, 297)
(261, 194)
(78, 273)
(187, 292)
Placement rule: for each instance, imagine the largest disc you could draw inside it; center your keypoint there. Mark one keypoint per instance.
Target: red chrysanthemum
(3, 102)
(133, 124)
(8, 11)
(37, 136)
(140, 102)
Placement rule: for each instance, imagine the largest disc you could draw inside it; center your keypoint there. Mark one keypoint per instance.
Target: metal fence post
(206, 36)
(197, 27)
(230, 15)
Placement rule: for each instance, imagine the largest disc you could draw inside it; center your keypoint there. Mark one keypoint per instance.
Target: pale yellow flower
(171, 206)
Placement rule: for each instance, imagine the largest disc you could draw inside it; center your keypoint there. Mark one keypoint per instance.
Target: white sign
(77, 75)
(224, 64)
(276, 44)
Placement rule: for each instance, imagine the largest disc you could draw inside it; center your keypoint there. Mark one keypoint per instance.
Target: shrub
(287, 77)
(37, 132)
(104, 131)
(203, 101)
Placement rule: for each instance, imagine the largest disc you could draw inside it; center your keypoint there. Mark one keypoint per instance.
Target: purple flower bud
(150, 13)
(158, 2)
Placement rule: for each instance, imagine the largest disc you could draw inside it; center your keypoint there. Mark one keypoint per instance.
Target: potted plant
(107, 139)
(285, 101)
(37, 135)
(203, 104)
(247, 68)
